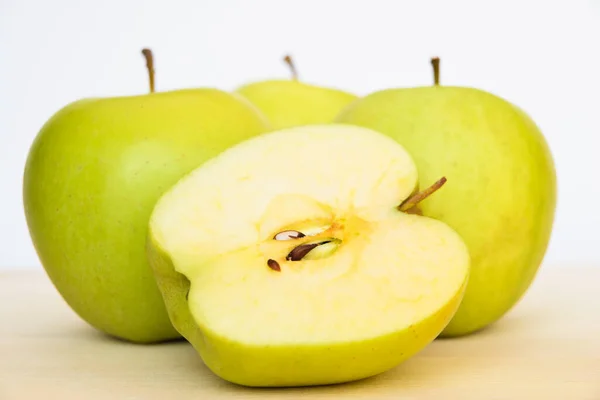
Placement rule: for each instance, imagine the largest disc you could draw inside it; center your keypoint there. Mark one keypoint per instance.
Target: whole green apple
(503, 193)
(91, 178)
(290, 102)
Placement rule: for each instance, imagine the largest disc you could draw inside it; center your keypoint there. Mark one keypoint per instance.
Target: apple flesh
(503, 193)
(286, 262)
(91, 179)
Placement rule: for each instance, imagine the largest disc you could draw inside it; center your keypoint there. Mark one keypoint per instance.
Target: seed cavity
(274, 265)
(299, 252)
(289, 235)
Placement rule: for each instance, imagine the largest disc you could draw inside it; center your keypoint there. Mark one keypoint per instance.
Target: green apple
(290, 102)
(503, 195)
(91, 179)
(285, 263)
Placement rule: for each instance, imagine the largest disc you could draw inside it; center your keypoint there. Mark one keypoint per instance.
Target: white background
(543, 56)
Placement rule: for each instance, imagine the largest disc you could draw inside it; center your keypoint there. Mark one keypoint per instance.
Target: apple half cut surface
(285, 260)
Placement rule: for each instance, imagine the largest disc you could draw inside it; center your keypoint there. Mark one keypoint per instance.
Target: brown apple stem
(422, 195)
(288, 60)
(149, 66)
(435, 63)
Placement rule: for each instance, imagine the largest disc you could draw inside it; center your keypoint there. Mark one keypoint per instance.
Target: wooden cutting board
(547, 347)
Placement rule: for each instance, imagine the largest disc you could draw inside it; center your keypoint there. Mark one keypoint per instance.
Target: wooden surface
(548, 347)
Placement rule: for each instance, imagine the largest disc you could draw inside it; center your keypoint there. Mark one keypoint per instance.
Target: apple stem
(290, 62)
(149, 66)
(435, 63)
(422, 195)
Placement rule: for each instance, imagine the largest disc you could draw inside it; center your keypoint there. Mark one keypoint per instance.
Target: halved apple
(286, 261)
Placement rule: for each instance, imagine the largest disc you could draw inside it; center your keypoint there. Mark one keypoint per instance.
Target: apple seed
(274, 265)
(289, 235)
(299, 252)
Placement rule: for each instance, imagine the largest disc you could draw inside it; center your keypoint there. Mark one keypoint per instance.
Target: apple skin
(91, 179)
(501, 191)
(290, 103)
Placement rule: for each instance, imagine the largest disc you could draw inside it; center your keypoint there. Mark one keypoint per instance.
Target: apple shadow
(315, 389)
(417, 369)
(86, 332)
(406, 377)
(516, 320)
